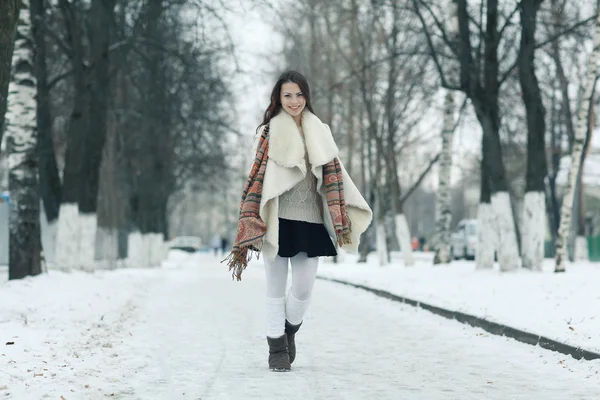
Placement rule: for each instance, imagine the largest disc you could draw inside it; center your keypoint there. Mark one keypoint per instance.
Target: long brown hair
(275, 106)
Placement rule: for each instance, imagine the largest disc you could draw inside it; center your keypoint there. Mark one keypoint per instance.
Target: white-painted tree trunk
(507, 247)
(533, 230)
(145, 250)
(107, 247)
(382, 250)
(68, 237)
(486, 236)
(48, 231)
(165, 250)
(135, 251)
(443, 210)
(87, 246)
(581, 249)
(577, 151)
(403, 235)
(157, 245)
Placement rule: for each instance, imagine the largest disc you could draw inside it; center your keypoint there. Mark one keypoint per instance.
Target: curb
(492, 327)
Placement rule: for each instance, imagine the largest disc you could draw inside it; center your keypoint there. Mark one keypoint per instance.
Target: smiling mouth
(294, 108)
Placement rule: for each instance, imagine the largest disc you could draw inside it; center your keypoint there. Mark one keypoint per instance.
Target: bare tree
(480, 80)
(561, 82)
(68, 240)
(578, 147)
(50, 185)
(534, 210)
(100, 26)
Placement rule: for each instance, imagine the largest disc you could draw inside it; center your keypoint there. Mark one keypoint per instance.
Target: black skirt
(299, 236)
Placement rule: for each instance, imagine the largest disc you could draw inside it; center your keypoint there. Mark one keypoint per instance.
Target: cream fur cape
(286, 168)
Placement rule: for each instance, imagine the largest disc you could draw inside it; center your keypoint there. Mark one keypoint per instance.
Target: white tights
(293, 306)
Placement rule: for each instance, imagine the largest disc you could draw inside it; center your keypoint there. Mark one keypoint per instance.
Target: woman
(298, 204)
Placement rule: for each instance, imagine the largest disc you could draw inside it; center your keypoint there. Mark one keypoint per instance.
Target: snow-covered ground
(187, 331)
(564, 307)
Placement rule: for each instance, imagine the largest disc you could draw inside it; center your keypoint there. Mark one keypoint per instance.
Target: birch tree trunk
(579, 241)
(578, 145)
(534, 210)
(443, 210)
(24, 241)
(9, 15)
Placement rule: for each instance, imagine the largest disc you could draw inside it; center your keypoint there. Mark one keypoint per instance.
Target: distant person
(224, 244)
(414, 243)
(295, 210)
(215, 244)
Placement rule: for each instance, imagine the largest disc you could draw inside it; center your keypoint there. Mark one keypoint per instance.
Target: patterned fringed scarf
(251, 228)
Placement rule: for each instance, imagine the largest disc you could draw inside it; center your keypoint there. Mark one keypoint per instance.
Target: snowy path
(192, 333)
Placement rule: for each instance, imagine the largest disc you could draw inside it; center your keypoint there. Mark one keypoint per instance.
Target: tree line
(111, 107)
(384, 71)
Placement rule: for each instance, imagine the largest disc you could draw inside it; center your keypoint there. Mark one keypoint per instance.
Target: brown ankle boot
(279, 359)
(290, 331)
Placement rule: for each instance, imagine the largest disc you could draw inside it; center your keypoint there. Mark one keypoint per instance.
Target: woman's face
(292, 99)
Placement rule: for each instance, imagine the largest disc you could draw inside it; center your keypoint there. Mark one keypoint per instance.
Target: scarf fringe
(344, 238)
(345, 235)
(238, 260)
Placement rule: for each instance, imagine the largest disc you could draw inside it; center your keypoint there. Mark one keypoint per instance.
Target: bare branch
(566, 31)
(441, 28)
(545, 42)
(438, 65)
(508, 19)
(421, 178)
(52, 82)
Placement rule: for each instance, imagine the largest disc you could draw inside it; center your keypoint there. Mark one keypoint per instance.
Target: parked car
(464, 240)
(191, 244)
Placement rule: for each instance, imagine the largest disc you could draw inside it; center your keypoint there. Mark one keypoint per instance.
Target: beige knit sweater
(302, 203)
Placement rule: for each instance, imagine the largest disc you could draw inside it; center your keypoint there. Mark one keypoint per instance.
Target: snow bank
(63, 325)
(563, 307)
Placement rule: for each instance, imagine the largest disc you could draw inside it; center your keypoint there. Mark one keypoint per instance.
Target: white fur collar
(285, 142)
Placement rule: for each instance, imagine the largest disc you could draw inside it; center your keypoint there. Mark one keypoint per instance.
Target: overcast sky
(258, 49)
